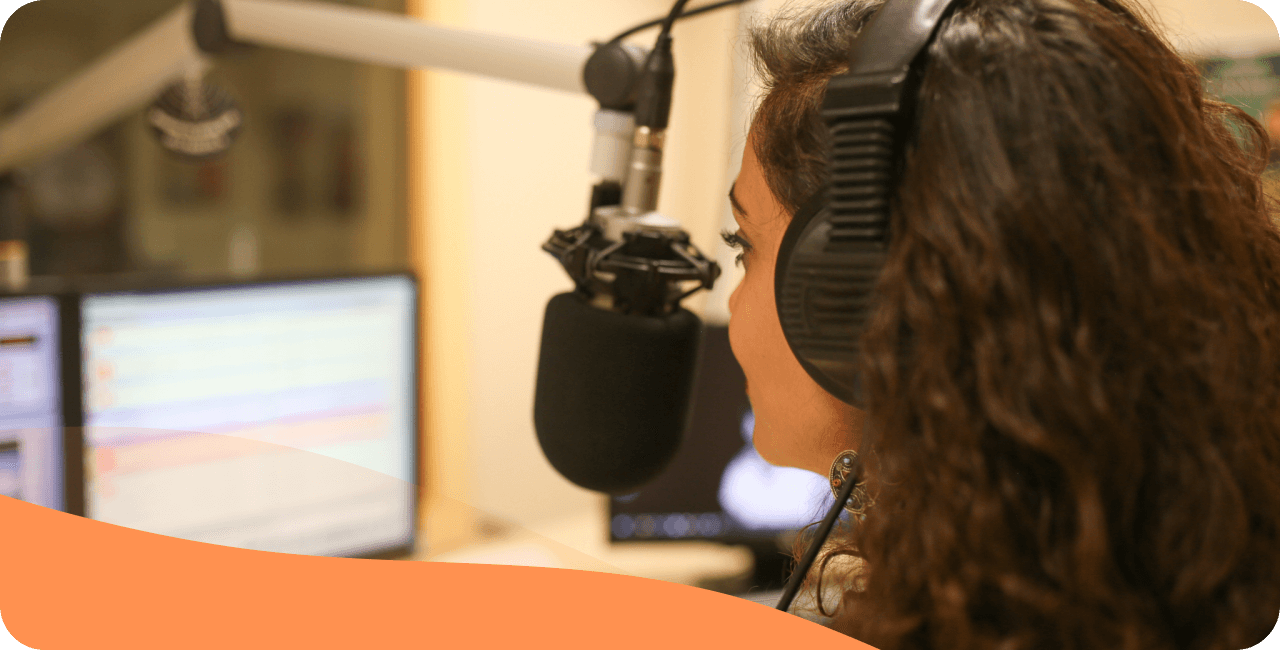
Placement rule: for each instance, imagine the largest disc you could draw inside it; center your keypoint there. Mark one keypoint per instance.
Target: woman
(1081, 446)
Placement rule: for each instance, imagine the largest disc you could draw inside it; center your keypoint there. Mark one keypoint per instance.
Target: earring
(859, 501)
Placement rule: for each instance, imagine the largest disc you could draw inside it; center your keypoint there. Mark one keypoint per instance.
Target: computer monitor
(31, 433)
(271, 416)
(717, 487)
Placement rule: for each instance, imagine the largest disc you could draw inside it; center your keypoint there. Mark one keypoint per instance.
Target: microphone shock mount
(632, 264)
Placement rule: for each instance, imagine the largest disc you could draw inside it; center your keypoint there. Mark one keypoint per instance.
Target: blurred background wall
(314, 184)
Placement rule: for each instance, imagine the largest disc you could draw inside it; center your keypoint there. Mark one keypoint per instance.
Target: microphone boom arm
(118, 83)
(134, 73)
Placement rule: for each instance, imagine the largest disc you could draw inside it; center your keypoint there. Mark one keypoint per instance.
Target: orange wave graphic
(70, 582)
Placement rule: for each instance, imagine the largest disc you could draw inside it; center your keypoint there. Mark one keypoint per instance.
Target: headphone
(835, 246)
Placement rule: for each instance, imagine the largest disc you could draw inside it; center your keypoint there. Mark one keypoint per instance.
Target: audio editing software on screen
(30, 402)
(272, 417)
(717, 486)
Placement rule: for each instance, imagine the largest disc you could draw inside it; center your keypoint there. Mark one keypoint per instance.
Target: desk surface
(581, 542)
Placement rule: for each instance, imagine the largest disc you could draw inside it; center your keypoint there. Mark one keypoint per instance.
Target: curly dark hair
(1080, 447)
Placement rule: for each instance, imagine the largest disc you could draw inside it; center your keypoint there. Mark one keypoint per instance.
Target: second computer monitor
(276, 417)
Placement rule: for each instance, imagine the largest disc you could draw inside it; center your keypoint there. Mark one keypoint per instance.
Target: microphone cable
(676, 10)
(682, 15)
(824, 530)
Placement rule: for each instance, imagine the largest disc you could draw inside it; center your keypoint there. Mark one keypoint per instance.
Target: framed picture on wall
(319, 169)
(185, 183)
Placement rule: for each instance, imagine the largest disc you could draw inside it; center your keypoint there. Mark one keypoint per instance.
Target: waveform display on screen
(30, 401)
(182, 388)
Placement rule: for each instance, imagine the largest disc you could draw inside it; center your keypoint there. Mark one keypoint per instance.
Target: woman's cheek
(734, 345)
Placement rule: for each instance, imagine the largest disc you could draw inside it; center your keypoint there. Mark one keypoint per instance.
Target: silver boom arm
(134, 73)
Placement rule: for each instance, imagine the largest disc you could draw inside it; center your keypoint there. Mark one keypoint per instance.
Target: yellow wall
(1227, 27)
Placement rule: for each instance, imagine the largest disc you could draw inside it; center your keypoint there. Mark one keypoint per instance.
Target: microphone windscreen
(612, 399)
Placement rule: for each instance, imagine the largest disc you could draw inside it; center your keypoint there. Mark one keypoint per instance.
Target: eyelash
(736, 242)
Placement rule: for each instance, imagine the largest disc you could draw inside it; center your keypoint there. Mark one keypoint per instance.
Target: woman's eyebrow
(733, 200)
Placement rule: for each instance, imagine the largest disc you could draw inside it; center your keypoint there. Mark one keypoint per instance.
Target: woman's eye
(736, 242)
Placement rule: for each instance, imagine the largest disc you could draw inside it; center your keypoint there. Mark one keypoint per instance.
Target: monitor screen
(277, 417)
(31, 439)
(718, 487)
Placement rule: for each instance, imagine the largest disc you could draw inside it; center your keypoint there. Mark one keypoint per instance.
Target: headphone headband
(897, 33)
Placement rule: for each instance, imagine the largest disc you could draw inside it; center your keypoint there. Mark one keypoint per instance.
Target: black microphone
(618, 356)
(616, 368)
(613, 392)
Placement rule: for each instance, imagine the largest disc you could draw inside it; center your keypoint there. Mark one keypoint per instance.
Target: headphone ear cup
(835, 246)
(823, 298)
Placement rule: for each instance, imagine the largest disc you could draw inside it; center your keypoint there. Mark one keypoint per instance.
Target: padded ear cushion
(822, 299)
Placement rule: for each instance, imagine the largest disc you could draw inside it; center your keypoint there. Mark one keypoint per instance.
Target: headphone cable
(684, 14)
(811, 554)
